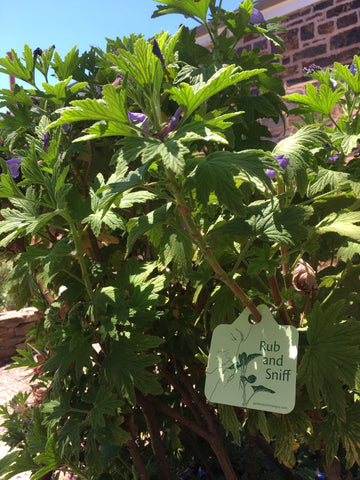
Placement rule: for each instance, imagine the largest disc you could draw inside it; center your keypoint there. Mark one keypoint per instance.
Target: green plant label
(253, 365)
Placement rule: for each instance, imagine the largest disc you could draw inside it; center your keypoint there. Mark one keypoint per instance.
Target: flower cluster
(283, 163)
(312, 68)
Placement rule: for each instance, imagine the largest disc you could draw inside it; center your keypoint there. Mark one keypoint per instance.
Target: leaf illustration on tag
(261, 388)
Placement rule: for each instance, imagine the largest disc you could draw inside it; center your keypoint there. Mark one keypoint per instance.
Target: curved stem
(207, 251)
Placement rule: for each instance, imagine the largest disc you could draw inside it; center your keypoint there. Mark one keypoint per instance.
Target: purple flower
(157, 52)
(138, 117)
(171, 126)
(282, 161)
(14, 166)
(270, 173)
(334, 158)
(45, 142)
(256, 17)
(353, 69)
(319, 475)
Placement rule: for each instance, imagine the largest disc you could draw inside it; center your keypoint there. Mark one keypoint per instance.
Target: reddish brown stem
(252, 459)
(209, 256)
(137, 459)
(214, 440)
(278, 300)
(185, 396)
(156, 443)
(333, 471)
(198, 399)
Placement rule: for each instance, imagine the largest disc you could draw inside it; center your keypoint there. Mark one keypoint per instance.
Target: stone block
(346, 38)
(311, 52)
(344, 7)
(322, 5)
(327, 27)
(307, 32)
(261, 45)
(21, 330)
(347, 20)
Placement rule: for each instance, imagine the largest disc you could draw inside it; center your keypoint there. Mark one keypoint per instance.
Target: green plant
(150, 205)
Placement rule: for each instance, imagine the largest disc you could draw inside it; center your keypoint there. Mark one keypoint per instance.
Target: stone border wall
(13, 328)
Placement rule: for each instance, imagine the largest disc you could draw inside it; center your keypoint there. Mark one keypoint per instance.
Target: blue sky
(66, 23)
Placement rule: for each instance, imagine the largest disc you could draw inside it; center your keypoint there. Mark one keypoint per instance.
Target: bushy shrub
(145, 203)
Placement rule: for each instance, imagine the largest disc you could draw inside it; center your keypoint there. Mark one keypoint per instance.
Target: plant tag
(253, 365)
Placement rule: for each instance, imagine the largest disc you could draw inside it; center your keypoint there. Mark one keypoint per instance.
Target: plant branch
(198, 400)
(207, 251)
(79, 253)
(184, 394)
(278, 300)
(214, 441)
(154, 430)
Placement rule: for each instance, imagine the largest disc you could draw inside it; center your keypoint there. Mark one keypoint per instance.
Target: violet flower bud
(270, 173)
(157, 52)
(45, 142)
(353, 69)
(256, 17)
(37, 52)
(171, 126)
(138, 117)
(282, 161)
(14, 165)
(334, 158)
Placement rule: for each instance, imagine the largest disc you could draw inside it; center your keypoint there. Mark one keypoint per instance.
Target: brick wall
(13, 328)
(322, 33)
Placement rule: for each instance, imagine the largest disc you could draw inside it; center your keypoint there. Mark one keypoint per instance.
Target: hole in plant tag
(253, 365)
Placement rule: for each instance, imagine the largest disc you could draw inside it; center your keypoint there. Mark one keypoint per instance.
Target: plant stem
(252, 458)
(79, 253)
(138, 461)
(154, 430)
(207, 251)
(278, 300)
(214, 440)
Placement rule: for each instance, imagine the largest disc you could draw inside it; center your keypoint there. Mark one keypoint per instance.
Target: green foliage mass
(148, 208)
